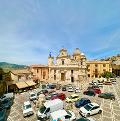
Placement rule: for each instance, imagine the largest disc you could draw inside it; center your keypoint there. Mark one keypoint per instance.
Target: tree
(108, 74)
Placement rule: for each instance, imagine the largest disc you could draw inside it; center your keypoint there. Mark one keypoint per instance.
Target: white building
(68, 68)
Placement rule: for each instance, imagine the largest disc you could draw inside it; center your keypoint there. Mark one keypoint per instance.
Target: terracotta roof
(30, 83)
(38, 65)
(20, 71)
(21, 85)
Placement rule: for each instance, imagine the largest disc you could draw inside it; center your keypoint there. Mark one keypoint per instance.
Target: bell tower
(50, 60)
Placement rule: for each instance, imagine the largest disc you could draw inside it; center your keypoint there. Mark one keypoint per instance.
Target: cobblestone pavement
(111, 109)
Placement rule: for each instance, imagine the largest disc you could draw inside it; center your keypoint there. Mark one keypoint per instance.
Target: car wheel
(100, 111)
(88, 115)
(113, 99)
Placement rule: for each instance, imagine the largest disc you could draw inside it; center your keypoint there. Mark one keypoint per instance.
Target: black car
(83, 119)
(43, 91)
(82, 102)
(107, 96)
(3, 115)
(89, 93)
(64, 88)
(7, 103)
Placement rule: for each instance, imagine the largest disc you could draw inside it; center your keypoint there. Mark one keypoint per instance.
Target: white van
(49, 107)
(62, 115)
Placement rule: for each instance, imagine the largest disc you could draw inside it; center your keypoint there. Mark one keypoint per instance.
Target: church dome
(77, 52)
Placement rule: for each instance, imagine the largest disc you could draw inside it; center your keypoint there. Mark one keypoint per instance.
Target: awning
(21, 85)
(30, 83)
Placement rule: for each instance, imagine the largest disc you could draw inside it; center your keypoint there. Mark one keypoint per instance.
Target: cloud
(29, 30)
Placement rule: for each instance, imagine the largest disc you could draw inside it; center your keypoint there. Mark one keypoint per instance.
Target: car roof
(74, 95)
(84, 98)
(52, 102)
(58, 113)
(32, 93)
(27, 103)
(93, 104)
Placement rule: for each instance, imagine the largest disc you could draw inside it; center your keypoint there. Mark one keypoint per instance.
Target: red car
(59, 95)
(97, 90)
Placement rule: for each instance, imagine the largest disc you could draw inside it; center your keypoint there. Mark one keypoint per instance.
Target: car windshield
(5, 101)
(32, 95)
(70, 97)
(42, 109)
(69, 113)
(27, 106)
(87, 107)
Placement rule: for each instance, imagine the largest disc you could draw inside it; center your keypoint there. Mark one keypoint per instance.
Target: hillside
(8, 66)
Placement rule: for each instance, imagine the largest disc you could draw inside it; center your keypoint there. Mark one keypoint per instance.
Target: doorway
(62, 76)
(72, 79)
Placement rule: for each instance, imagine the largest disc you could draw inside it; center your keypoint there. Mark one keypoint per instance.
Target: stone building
(96, 67)
(116, 67)
(40, 72)
(67, 68)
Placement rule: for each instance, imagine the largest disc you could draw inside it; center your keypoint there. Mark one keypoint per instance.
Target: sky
(31, 29)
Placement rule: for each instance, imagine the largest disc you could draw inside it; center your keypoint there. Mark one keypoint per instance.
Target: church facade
(67, 68)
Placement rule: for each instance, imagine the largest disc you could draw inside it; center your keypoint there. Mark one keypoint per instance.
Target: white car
(77, 90)
(27, 109)
(33, 96)
(62, 115)
(70, 89)
(90, 109)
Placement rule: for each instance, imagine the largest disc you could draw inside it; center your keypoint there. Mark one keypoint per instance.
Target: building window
(37, 70)
(54, 77)
(96, 75)
(96, 65)
(96, 70)
(104, 70)
(88, 75)
(71, 71)
(75, 58)
(104, 65)
(44, 74)
(54, 71)
(62, 62)
(88, 70)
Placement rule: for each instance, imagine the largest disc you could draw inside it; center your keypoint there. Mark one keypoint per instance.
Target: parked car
(64, 88)
(89, 92)
(7, 103)
(107, 83)
(58, 86)
(8, 96)
(72, 98)
(52, 86)
(43, 91)
(82, 102)
(49, 107)
(96, 90)
(48, 97)
(107, 96)
(113, 80)
(85, 119)
(27, 109)
(62, 115)
(90, 109)
(77, 90)
(3, 114)
(70, 89)
(33, 96)
(58, 96)
(100, 84)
